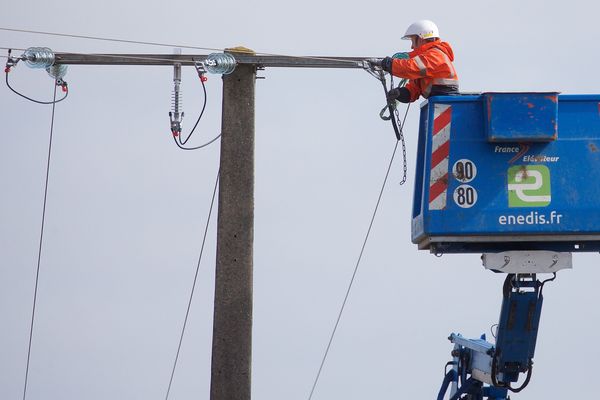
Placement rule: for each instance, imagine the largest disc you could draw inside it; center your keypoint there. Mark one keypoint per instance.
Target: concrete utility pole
(232, 330)
(232, 326)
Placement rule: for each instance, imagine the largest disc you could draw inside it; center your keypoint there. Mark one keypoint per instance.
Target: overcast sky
(126, 209)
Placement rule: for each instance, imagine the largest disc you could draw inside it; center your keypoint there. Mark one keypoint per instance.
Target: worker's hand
(386, 64)
(393, 94)
(400, 94)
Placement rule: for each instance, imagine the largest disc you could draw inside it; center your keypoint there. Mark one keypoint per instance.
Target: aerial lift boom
(482, 370)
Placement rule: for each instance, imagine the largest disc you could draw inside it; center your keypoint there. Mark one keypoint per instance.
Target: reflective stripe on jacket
(428, 65)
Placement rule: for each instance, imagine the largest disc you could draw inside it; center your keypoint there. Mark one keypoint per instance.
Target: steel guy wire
(39, 258)
(187, 312)
(354, 273)
(147, 43)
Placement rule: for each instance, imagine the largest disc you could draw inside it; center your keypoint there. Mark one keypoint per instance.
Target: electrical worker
(429, 67)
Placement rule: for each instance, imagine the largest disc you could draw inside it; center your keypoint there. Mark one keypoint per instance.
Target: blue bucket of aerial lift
(508, 171)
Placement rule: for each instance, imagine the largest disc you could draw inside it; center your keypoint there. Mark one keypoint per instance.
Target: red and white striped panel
(440, 152)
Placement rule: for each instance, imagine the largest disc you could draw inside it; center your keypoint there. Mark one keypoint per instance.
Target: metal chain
(380, 76)
(401, 128)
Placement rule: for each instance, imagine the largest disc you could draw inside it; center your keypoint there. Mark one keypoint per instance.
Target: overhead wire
(187, 312)
(41, 241)
(160, 44)
(117, 40)
(339, 316)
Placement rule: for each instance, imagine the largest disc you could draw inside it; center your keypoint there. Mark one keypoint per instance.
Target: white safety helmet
(424, 29)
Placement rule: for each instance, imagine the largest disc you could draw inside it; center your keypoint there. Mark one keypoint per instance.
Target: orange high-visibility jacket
(428, 65)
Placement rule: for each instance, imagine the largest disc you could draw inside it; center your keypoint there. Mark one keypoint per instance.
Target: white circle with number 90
(464, 170)
(465, 196)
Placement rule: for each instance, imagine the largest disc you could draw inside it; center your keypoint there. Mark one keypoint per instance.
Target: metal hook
(200, 68)
(11, 61)
(383, 111)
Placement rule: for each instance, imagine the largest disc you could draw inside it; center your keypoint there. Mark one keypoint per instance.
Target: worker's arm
(413, 90)
(431, 64)
(413, 68)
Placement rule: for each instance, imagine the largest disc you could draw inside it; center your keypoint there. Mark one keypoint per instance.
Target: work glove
(386, 64)
(400, 94)
(401, 55)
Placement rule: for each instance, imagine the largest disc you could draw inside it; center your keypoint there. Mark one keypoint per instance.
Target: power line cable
(147, 43)
(54, 101)
(212, 201)
(177, 135)
(183, 142)
(354, 273)
(37, 274)
(197, 147)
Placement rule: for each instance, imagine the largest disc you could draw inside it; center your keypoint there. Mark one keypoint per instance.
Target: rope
(353, 274)
(37, 274)
(187, 312)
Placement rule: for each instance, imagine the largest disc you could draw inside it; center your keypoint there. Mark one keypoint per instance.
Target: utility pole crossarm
(190, 59)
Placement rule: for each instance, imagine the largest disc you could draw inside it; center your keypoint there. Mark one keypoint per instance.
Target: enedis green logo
(529, 186)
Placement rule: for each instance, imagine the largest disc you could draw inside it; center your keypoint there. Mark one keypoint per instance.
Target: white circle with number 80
(464, 170)
(465, 196)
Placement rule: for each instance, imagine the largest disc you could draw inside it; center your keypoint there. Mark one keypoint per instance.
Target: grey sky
(126, 208)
